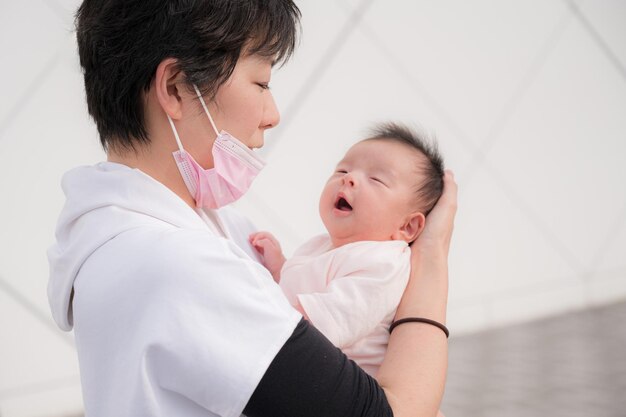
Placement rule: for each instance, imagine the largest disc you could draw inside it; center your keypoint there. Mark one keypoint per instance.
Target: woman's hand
(435, 238)
(413, 371)
(427, 292)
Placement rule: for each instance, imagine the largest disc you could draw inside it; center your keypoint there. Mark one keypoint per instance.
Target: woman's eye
(264, 86)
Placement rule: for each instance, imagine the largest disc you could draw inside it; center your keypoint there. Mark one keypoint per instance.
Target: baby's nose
(349, 179)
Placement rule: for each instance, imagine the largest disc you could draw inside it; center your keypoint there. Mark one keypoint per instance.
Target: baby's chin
(342, 240)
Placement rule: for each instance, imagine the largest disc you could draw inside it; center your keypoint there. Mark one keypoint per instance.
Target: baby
(348, 283)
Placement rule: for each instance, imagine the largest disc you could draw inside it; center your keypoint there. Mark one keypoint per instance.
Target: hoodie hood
(103, 201)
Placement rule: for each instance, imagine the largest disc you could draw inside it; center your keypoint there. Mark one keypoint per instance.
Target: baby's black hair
(429, 189)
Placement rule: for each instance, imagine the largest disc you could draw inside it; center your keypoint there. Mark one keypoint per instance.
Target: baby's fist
(267, 245)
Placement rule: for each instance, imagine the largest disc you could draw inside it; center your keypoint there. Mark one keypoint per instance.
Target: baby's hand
(267, 245)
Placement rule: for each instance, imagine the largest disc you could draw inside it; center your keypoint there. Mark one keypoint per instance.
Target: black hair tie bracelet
(419, 320)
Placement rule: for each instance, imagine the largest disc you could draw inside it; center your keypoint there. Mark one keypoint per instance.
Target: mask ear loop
(206, 110)
(180, 145)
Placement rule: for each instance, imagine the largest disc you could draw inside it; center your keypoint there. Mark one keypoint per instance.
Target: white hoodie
(169, 318)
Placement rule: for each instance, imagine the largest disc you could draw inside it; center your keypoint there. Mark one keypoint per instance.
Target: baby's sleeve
(367, 288)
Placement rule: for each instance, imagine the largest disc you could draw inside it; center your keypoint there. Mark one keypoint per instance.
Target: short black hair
(121, 43)
(430, 188)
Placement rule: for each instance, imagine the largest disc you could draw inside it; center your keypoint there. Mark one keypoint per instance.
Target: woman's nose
(271, 116)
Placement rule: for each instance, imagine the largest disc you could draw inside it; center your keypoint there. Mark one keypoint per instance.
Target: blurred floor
(570, 365)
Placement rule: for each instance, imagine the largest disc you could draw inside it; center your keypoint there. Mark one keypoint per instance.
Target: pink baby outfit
(349, 293)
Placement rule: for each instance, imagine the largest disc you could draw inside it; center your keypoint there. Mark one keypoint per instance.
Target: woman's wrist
(426, 294)
(432, 306)
(424, 320)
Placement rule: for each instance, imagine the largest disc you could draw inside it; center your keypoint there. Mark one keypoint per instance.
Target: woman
(172, 313)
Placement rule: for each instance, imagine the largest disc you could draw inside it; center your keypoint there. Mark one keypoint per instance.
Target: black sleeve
(309, 377)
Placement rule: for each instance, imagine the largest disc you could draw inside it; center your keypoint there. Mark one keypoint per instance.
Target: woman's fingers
(440, 221)
(446, 207)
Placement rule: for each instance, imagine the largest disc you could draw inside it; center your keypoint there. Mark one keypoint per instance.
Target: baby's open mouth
(343, 205)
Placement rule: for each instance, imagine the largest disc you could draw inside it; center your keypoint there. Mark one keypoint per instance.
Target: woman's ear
(167, 83)
(411, 229)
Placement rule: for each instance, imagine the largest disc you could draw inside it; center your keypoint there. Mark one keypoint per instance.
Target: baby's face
(371, 193)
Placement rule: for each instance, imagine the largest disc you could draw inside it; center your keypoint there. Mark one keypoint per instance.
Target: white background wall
(527, 99)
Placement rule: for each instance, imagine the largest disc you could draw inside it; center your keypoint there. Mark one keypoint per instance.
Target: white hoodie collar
(103, 201)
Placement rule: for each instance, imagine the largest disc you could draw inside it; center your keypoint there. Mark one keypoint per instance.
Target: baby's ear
(412, 227)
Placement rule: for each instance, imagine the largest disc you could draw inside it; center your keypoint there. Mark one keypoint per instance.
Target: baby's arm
(267, 245)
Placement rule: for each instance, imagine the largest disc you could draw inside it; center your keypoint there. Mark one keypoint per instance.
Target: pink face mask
(235, 167)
